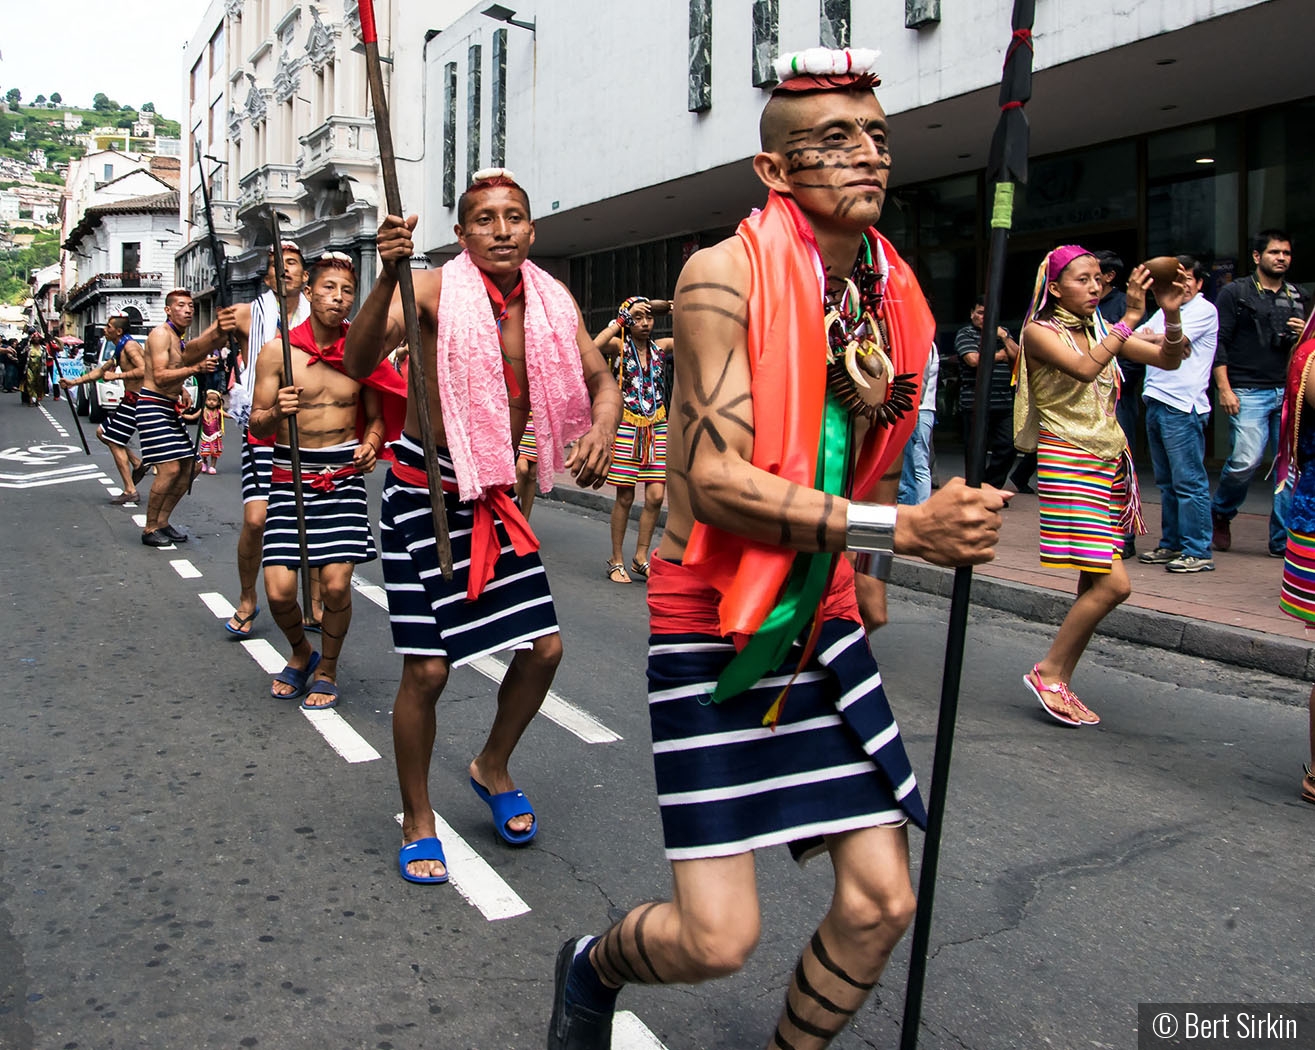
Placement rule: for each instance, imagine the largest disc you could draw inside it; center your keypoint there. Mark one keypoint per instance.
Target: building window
(473, 79)
(498, 138)
(195, 82)
(1192, 193)
(217, 51)
(449, 135)
(132, 256)
(1280, 191)
(700, 56)
(108, 172)
(766, 32)
(835, 23)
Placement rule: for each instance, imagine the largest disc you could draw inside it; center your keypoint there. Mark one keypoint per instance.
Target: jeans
(1177, 442)
(1128, 410)
(1250, 432)
(915, 481)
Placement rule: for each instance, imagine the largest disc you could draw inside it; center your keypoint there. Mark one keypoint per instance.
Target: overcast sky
(130, 49)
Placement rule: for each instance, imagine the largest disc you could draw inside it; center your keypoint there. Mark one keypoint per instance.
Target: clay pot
(1164, 272)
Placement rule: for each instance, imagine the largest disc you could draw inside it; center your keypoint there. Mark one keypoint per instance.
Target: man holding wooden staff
(503, 337)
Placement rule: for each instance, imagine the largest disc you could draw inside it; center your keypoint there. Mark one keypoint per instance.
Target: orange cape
(787, 360)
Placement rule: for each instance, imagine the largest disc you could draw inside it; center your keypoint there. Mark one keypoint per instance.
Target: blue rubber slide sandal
(321, 685)
(506, 805)
(297, 679)
(422, 849)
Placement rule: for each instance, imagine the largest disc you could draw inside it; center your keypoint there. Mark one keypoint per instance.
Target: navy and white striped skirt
(119, 428)
(727, 784)
(256, 463)
(337, 521)
(431, 616)
(160, 430)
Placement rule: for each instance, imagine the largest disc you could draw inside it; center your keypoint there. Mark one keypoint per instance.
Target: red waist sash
(484, 545)
(321, 480)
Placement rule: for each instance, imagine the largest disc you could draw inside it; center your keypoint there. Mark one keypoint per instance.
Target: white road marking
(270, 659)
(107, 482)
(341, 736)
(630, 1033)
(571, 718)
(217, 604)
(474, 879)
(186, 569)
(113, 489)
(84, 475)
(139, 520)
(81, 468)
(372, 591)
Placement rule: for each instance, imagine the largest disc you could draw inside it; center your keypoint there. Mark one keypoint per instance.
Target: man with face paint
(500, 337)
(800, 347)
(640, 454)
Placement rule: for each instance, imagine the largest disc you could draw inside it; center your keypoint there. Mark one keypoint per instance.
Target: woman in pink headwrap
(1068, 381)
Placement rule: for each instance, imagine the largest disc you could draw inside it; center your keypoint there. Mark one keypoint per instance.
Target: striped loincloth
(256, 463)
(727, 784)
(337, 517)
(639, 455)
(1088, 505)
(1297, 597)
(160, 430)
(119, 428)
(433, 617)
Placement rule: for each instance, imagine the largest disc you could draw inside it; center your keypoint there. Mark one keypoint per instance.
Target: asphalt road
(186, 861)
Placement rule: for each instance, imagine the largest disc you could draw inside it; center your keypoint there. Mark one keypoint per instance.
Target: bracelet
(870, 527)
(875, 564)
(1121, 330)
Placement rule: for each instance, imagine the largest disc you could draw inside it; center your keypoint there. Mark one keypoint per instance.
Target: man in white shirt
(1177, 411)
(915, 476)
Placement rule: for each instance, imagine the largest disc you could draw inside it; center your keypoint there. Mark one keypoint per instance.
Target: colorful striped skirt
(1298, 595)
(639, 455)
(528, 448)
(1088, 505)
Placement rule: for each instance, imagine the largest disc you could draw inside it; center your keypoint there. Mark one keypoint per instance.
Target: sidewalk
(1230, 615)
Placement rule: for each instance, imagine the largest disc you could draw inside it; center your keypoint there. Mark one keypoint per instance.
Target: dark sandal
(616, 572)
(639, 568)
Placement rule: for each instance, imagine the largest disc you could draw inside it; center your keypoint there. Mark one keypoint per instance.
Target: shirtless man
(255, 324)
(503, 601)
(166, 445)
(128, 365)
(328, 406)
(768, 495)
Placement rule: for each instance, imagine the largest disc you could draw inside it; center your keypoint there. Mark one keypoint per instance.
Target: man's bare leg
(520, 696)
(281, 589)
(625, 499)
(167, 475)
(654, 493)
(871, 907)
(176, 491)
(249, 544)
(336, 618)
(414, 722)
(122, 460)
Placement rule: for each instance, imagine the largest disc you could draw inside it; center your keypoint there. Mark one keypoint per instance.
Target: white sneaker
(1189, 564)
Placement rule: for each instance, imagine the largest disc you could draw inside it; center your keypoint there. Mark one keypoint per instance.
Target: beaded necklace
(857, 348)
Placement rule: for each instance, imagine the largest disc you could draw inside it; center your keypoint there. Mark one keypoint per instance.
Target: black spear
(280, 281)
(419, 390)
(45, 335)
(1006, 167)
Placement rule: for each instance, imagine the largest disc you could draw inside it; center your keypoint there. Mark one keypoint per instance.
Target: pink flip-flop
(1034, 682)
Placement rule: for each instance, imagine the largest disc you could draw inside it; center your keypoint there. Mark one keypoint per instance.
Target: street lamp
(505, 14)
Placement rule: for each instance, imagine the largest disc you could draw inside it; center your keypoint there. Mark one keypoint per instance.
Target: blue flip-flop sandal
(505, 806)
(422, 849)
(242, 621)
(322, 685)
(295, 678)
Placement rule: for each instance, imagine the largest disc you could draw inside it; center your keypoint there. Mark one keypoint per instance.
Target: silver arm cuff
(877, 565)
(870, 527)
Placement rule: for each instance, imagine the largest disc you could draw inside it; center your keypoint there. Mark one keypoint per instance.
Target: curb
(1221, 643)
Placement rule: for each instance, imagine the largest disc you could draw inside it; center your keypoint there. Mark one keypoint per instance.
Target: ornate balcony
(338, 147)
(269, 184)
(225, 214)
(90, 290)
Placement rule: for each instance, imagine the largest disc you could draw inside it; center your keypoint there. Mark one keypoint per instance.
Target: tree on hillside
(102, 103)
(40, 100)
(56, 97)
(148, 107)
(13, 96)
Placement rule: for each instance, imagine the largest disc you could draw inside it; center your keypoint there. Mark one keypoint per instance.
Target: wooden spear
(419, 389)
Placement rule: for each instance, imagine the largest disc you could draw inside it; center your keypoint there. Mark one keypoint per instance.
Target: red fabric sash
(385, 379)
(129, 397)
(787, 355)
(322, 480)
(484, 546)
(1286, 463)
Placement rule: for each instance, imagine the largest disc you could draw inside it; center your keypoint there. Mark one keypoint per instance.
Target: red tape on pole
(369, 34)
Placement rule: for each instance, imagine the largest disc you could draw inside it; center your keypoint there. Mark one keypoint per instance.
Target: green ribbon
(806, 585)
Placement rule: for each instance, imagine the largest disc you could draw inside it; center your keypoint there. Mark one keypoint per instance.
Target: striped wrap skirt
(1088, 505)
(727, 784)
(257, 461)
(639, 455)
(1297, 597)
(160, 429)
(119, 428)
(337, 513)
(431, 616)
(528, 449)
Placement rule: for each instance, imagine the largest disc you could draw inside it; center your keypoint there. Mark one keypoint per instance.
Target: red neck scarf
(500, 305)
